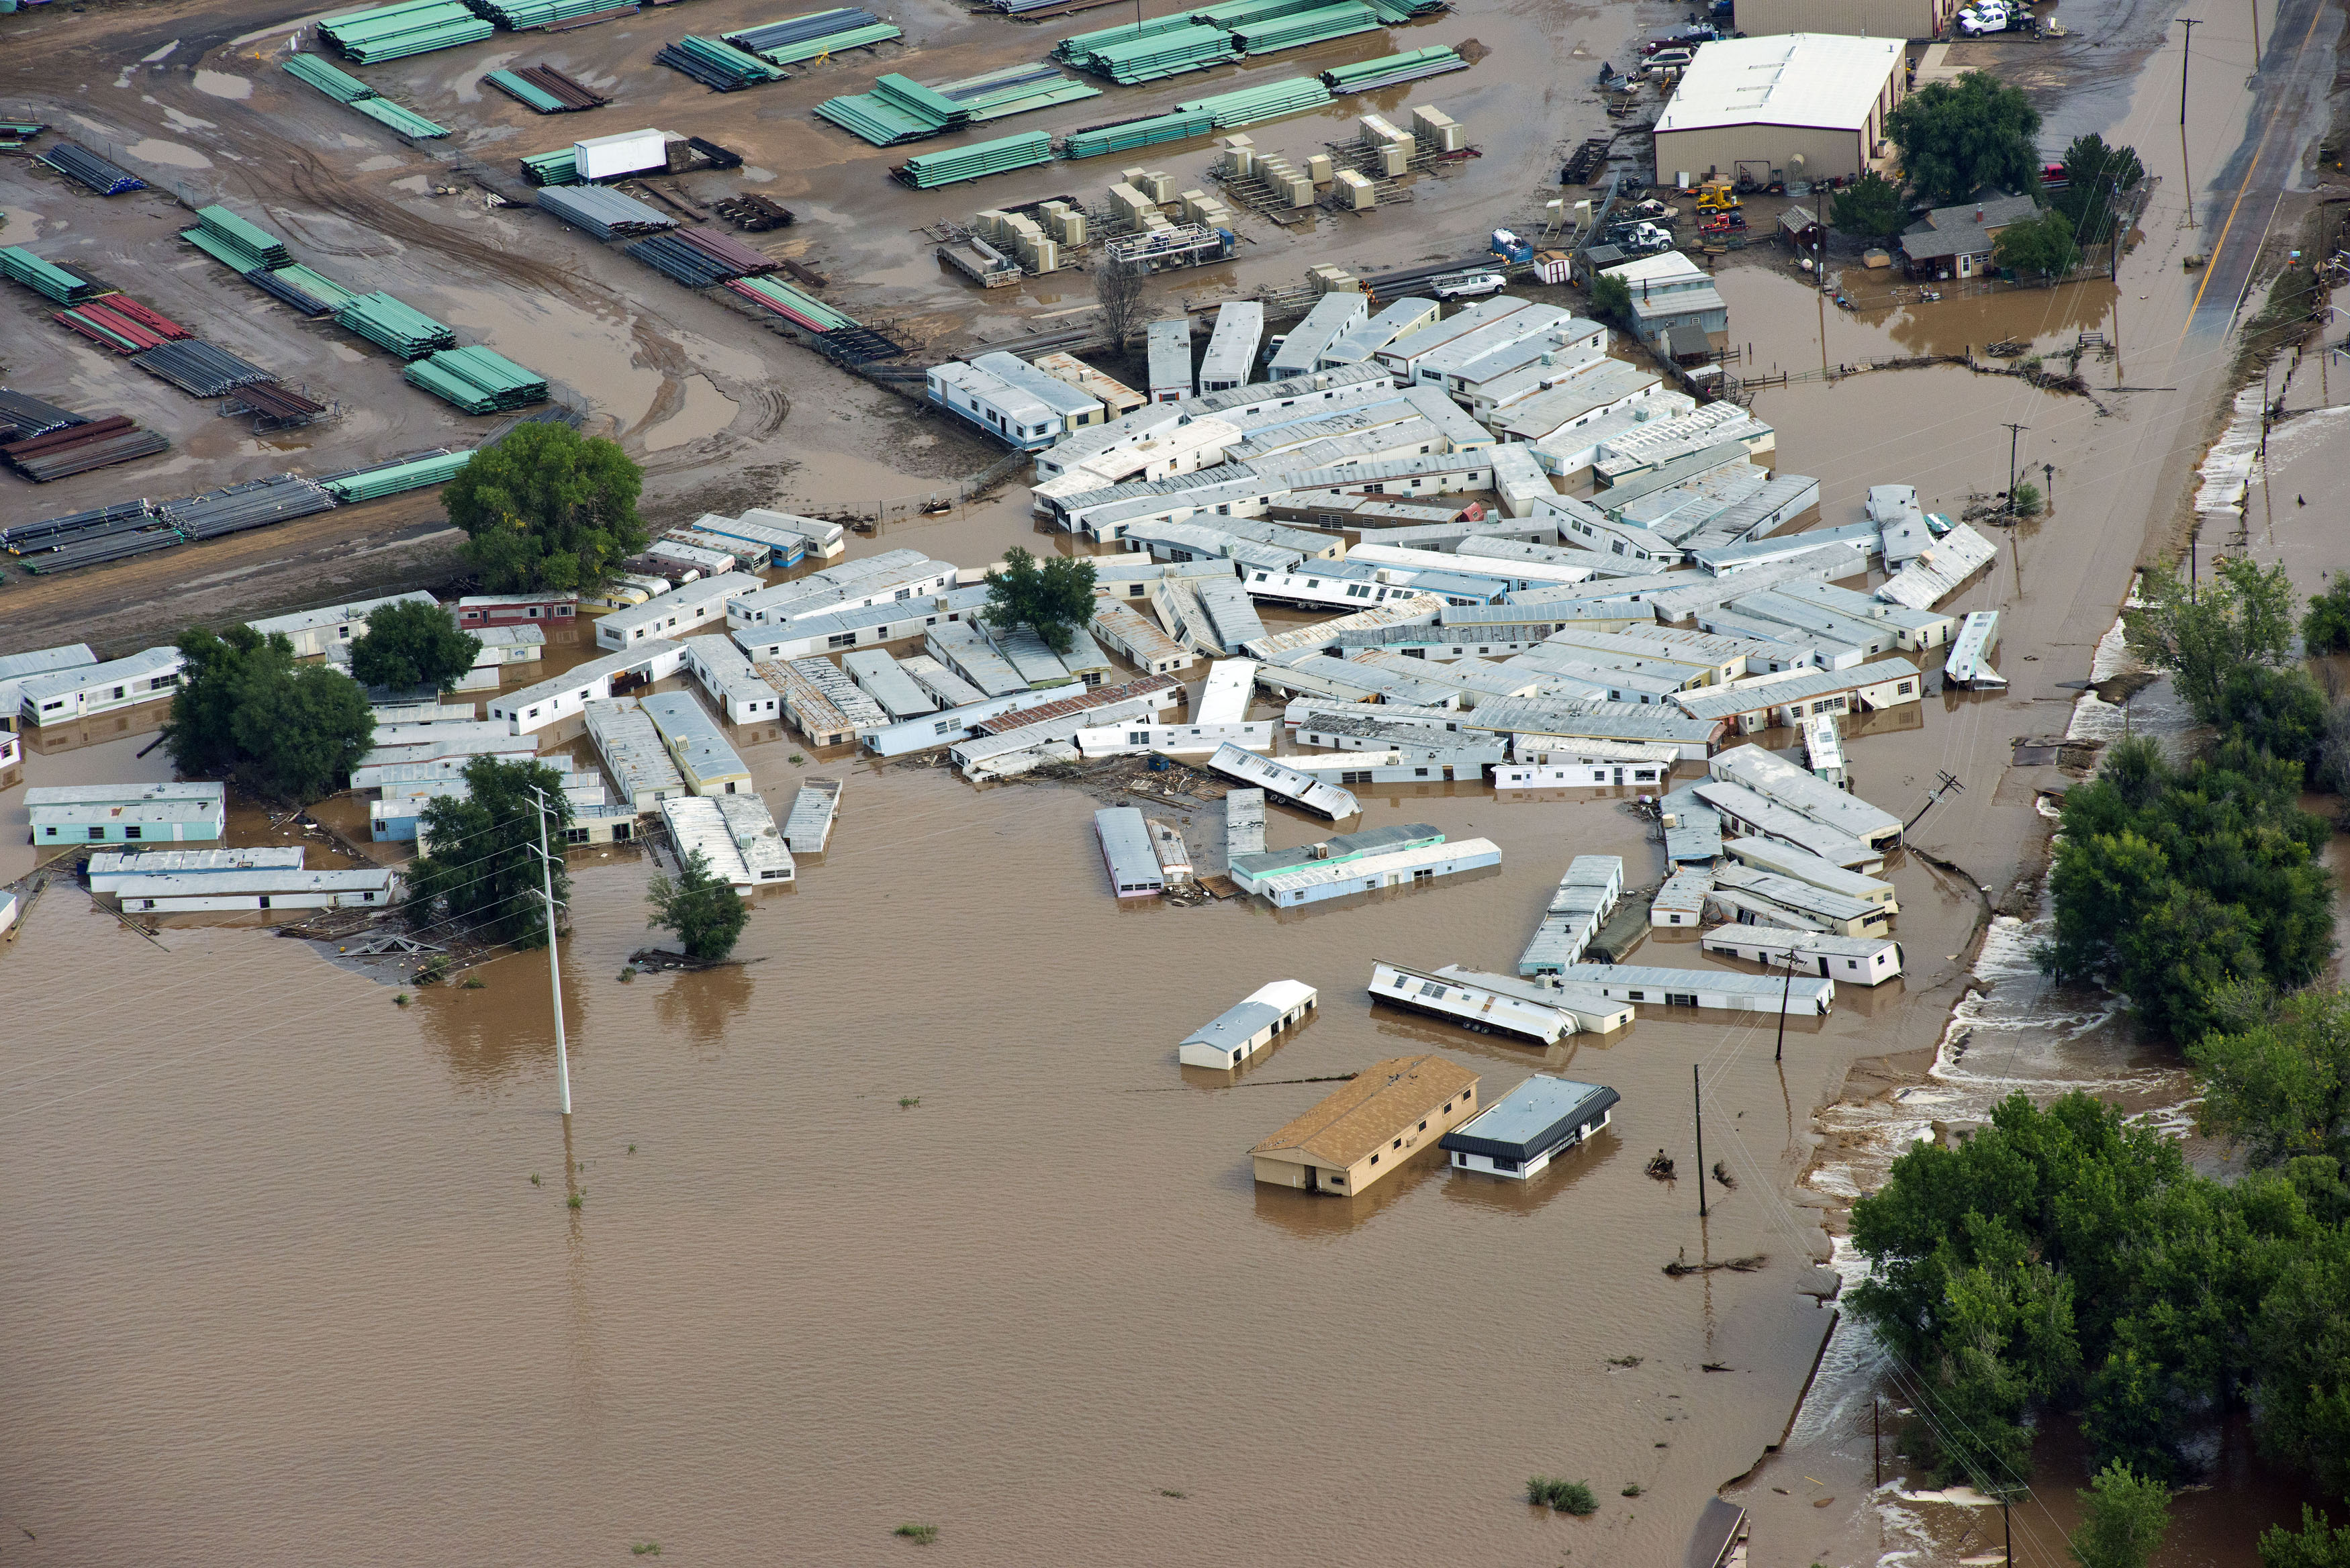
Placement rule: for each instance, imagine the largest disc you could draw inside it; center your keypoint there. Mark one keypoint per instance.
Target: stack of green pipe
(740, 66)
(1400, 11)
(820, 317)
(411, 27)
(1078, 48)
(325, 290)
(388, 323)
(478, 380)
(1234, 15)
(1250, 105)
(340, 86)
(899, 109)
(1302, 28)
(531, 94)
(978, 160)
(53, 282)
(1389, 69)
(1016, 89)
(406, 121)
(394, 478)
(1136, 133)
(559, 167)
(1192, 48)
(809, 48)
(521, 14)
(243, 247)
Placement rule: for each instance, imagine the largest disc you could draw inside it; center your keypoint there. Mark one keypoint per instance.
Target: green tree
(2318, 1544)
(1870, 208)
(1611, 298)
(547, 508)
(1957, 137)
(2095, 176)
(411, 644)
(2241, 615)
(481, 865)
(2124, 1517)
(2279, 712)
(2042, 246)
(1055, 595)
(245, 710)
(2325, 628)
(2024, 501)
(704, 911)
(2281, 1086)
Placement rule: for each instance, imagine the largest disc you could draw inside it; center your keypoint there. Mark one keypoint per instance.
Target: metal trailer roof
(802, 592)
(1069, 402)
(631, 749)
(1439, 362)
(1921, 625)
(1680, 900)
(1333, 316)
(1026, 652)
(987, 746)
(1803, 896)
(1539, 1116)
(1760, 813)
(1171, 359)
(952, 689)
(1126, 849)
(15, 668)
(674, 613)
(1307, 884)
(697, 824)
(1597, 721)
(1867, 960)
(332, 616)
(1402, 354)
(1940, 571)
(880, 678)
(756, 838)
(841, 691)
(1408, 314)
(1728, 560)
(1232, 614)
(1758, 693)
(694, 740)
(1807, 995)
(149, 664)
(1692, 508)
(1139, 639)
(1470, 997)
(1826, 563)
(1244, 823)
(966, 650)
(1231, 356)
(1085, 659)
(809, 828)
(1874, 637)
(1250, 868)
(1823, 747)
(1162, 692)
(725, 672)
(1968, 662)
(1288, 783)
(263, 882)
(1771, 776)
(1694, 833)
(1260, 1013)
(113, 870)
(1417, 609)
(1223, 696)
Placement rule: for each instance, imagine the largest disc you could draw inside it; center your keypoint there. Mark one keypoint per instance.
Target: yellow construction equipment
(1716, 199)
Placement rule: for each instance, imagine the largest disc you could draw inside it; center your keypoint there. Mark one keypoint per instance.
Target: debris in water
(1713, 1365)
(1680, 1267)
(1723, 1174)
(1660, 1166)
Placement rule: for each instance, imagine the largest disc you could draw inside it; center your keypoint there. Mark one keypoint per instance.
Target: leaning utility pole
(1786, 988)
(554, 975)
(1697, 1093)
(2187, 58)
(2014, 434)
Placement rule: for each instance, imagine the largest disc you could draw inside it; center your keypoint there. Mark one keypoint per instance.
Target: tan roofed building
(1370, 1125)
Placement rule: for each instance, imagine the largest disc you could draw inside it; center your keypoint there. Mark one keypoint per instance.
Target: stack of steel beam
(801, 309)
(721, 67)
(115, 321)
(1160, 55)
(478, 380)
(605, 213)
(338, 85)
(23, 417)
(1299, 28)
(521, 15)
(691, 258)
(1400, 11)
(247, 505)
(813, 35)
(392, 479)
(199, 368)
(26, 539)
(1129, 135)
(547, 89)
(400, 119)
(977, 160)
(1078, 48)
(86, 538)
(60, 284)
(298, 286)
(411, 27)
(1388, 70)
(274, 405)
(1250, 104)
(389, 323)
(899, 109)
(78, 163)
(79, 447)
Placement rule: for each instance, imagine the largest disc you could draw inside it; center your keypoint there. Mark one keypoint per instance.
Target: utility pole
(1697, 1093)
(1786, 988)
(2007, 1527)
(2048, 473)
(1875, 1443)
(2014, 434)
(2113, 223)
(554, 975)
(2186, 58)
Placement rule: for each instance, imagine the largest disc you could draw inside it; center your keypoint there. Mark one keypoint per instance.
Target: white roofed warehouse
(1804, 106)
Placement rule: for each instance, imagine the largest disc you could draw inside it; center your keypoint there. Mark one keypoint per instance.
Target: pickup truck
(1466, 285)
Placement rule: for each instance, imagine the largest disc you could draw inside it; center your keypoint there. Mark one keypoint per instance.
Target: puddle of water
(183, 121)
(379, 162)
(707, 411)
(563, 343)
(171, 154)
(221, 84)
(159, 55)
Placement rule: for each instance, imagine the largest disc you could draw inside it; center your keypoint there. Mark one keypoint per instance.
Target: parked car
(1466, 285)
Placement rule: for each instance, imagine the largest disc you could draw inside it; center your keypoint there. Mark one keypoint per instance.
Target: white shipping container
(627, 153)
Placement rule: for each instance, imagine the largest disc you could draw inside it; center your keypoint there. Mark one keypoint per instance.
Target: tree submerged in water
(704, 911)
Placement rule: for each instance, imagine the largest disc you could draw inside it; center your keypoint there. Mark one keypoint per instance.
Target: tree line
(2065, 1260)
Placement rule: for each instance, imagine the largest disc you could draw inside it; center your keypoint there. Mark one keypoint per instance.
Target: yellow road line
(2244, 190)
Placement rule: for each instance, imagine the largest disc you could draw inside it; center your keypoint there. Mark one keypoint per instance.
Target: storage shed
(1369, 1126)
(1520, 1133)
(1249, 1025)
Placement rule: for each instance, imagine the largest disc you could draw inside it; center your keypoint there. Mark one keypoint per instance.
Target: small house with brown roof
(1370, 1125)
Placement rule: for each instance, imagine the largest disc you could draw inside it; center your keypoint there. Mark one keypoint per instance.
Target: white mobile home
(1743, 811)
(15, 668)
(678, 613)
(125, 814)
(1779, 900)
(1968, 661)
(725, 673)
(1517, 1134)
(1136, 639)
(709, 766)
(1327, 800)
(1248, 1026)
(1775, 778)
(1486, 1003)
(737, 835)
(534, 708)
(1230, 357)
(1125, 840)
(632, 752)
(1320, 881)
(1808, 997)
(1680, 901)
(809, 828)
(116, 872)
(879, 677)
(1855, 960)
(62, 695)
(312, 632)
(267, 889)
(1169, 349)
